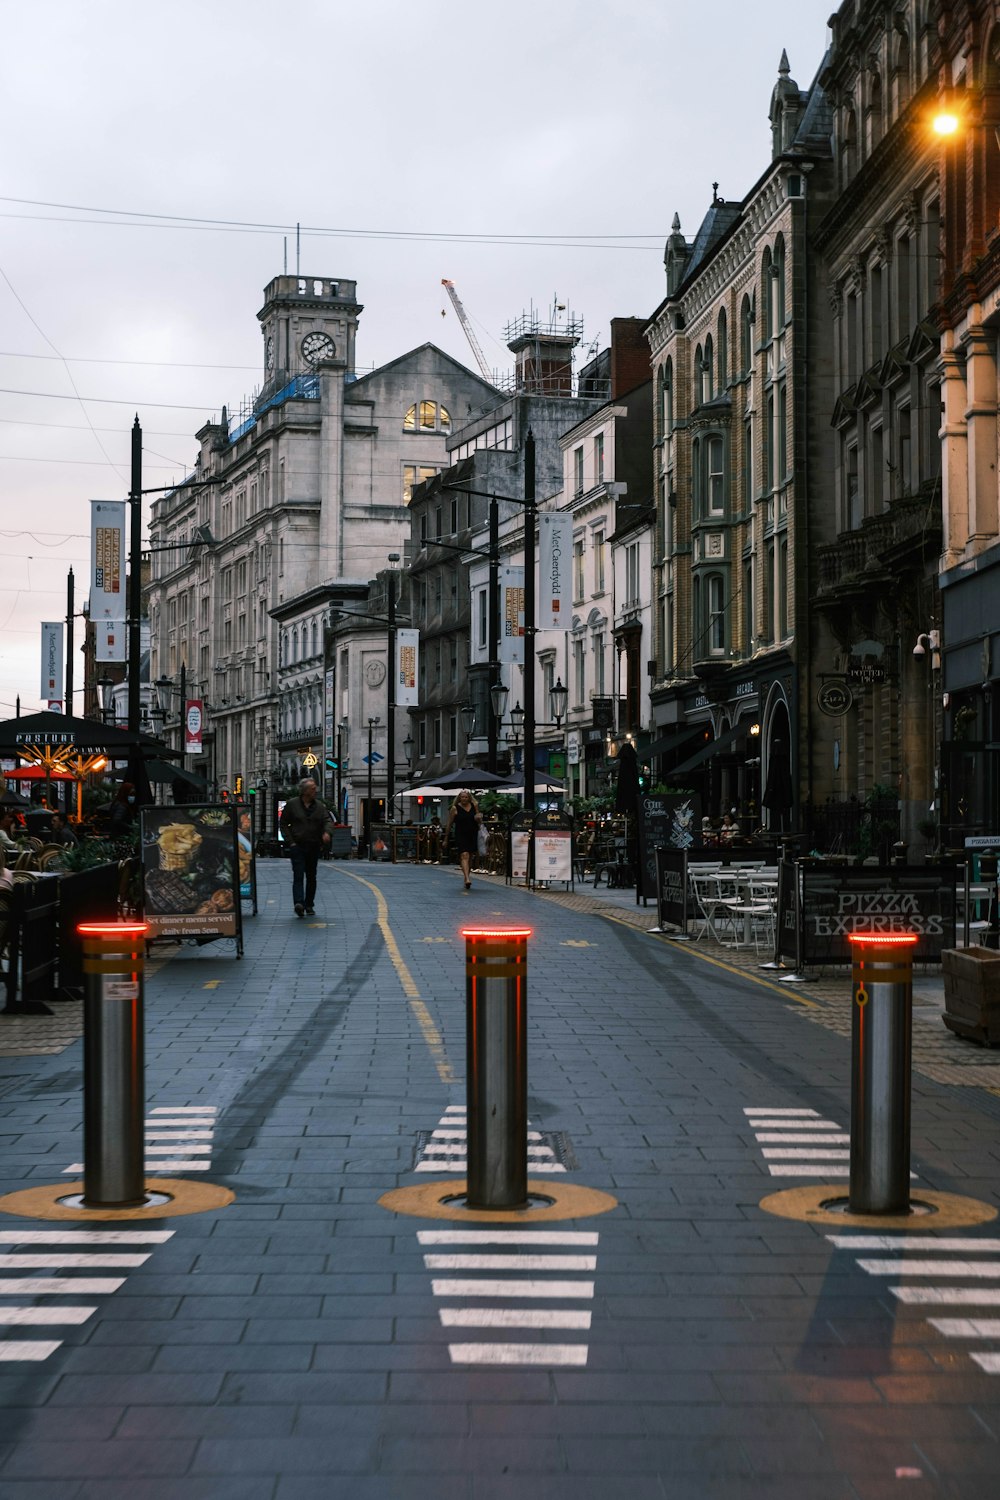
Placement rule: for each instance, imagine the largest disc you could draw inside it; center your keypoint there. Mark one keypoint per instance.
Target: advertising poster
(554, 854)
(245, 855)
(191, 868)
(193, 720)
(671, 887)
(555, 548)
(511, 614)
(52, 659)
(107, 560)
(671, 821)
(407, 650)
(520, 842)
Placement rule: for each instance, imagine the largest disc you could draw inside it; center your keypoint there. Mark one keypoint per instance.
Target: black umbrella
(63, 729)
(778, 792)
(9, 798)
(467, 776)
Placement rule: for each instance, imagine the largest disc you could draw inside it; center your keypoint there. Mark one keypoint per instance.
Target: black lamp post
(368, 820)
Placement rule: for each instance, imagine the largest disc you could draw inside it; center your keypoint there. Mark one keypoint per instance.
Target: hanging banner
(511, 615)
(107, 560)
(407, 661)
(194, 717)
(110, 640)
(52, 659)
(555, 549)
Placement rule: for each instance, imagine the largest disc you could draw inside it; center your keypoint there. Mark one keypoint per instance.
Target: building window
(599, 665)
(709, 477)
(598, 562)
(716, 614)
(421, 738)
(632, 587)
(599, 458)
(579, 674)
(482, 618)
(414, 474)
(427, 416)
(699, 375)
(452, 734)
(783, 588)
(437, 734)
(722, 351)
(781, 435)
(708, 370)
(746, 336)
(748, 610)
(578, 570)
(577, 471)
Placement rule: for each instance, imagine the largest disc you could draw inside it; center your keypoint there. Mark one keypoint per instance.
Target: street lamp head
(468, 716)
(558, 698)
(945, 122)
(408, 749)
(498, 697)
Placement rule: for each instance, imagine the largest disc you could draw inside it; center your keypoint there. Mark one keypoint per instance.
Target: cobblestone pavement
(305, 1342)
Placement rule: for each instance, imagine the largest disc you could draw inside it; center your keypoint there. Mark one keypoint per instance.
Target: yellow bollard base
(443, 1200)
(182, 1197)
(828, 1205)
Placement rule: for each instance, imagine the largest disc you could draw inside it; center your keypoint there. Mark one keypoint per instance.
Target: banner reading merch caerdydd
(555, 547)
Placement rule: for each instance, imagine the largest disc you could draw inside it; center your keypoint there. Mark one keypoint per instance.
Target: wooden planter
(972, 993)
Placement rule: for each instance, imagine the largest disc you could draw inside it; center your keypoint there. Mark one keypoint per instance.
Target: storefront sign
(838, 901)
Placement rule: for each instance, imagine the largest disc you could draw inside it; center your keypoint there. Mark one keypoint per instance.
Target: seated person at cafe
(728, 829)
(8, 823)
(61, 832)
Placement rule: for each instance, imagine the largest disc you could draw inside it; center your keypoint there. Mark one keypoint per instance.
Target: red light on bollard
(496, 932)
(112, 929)
(874, 939)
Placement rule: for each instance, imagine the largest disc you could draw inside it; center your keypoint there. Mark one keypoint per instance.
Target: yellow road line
(705, 958)
(428, 1030)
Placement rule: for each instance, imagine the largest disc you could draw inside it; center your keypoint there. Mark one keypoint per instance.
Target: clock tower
(306, 321)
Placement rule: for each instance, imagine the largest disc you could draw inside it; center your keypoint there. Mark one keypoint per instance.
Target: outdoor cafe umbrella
(778, 794)
(466, 776)
(39, 773)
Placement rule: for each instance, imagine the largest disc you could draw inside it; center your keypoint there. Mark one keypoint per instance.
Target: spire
(783, 67)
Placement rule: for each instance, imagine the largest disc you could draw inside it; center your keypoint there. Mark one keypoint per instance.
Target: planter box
(972, 993)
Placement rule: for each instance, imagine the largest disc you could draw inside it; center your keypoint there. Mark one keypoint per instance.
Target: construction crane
(456, 303)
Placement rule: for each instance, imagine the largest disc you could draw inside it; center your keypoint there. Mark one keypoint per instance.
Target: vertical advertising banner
(407, 660)
(52, 660)
(555, 549)
(511, 614)
(194, 718)
(107, 578)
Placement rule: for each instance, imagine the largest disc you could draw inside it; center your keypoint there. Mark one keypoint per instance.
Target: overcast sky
(411, 142)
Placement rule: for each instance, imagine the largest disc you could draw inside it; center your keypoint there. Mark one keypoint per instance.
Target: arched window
(849, 148)
(427, 416)
(295, 643)
(776, 320)
(668, 398)
(746, 337)
(722, 332)
(708, 370)
(901, 76)
(699, 375)
(873, 116)
(765, 295)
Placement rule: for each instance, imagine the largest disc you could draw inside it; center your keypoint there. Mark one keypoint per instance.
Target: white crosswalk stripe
(181, 1149)
(924, 1257)
(799, 1143)
(543, 1269)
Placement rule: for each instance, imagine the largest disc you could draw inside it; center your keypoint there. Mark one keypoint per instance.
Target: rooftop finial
(675, 229)
(715, 192)
(783, 67)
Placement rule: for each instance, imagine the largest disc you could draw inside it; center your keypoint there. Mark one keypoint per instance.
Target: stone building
(737, 347)
(961, 663)
(874, 582)
(309, 488)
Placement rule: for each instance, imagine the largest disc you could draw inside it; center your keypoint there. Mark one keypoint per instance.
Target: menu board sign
(191, 869)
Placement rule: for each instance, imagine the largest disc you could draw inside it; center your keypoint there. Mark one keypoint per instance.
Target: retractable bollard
(113, 1088)
(881, 1047)
(496, 996)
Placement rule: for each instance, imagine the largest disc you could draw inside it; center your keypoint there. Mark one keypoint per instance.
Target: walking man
(305, 824)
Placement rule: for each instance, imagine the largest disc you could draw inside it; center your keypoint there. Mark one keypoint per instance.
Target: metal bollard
(113, 1086)
(496, 996)
(881, 1048)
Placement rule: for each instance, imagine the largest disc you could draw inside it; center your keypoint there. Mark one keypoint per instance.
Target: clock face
(269, 353)
(375, 673)
(317, 346)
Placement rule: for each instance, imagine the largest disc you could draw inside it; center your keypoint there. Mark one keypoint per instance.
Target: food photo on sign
(192, 871)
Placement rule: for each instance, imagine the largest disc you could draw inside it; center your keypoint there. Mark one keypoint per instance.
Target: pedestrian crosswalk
(446, 1149)
(72, 1250)
(800, 1143)
(927, 1271)
(178, 1139)
(540, 1267)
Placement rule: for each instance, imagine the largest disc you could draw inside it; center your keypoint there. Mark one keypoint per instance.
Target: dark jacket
(305, 826)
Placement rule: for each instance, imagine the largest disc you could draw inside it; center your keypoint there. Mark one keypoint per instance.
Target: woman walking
(466, 818)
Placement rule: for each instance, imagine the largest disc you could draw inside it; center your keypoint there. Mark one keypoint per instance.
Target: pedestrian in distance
(465, 817)
(306, 825)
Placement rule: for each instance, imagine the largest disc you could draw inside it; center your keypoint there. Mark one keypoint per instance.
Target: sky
(160, 156)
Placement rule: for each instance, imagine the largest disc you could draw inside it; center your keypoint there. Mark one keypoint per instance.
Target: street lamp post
(390, 745)
(343, 731)
(530, 512)
(368, 819)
